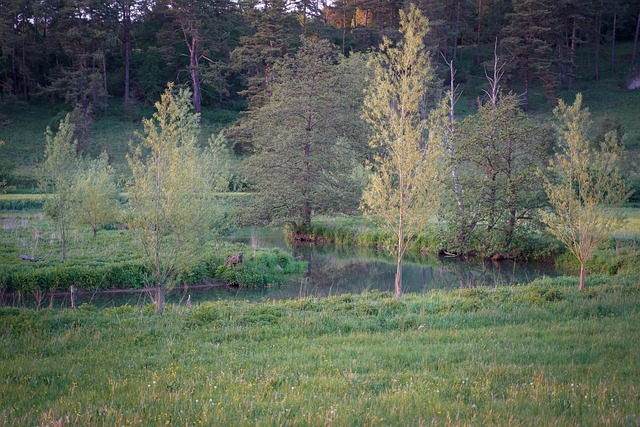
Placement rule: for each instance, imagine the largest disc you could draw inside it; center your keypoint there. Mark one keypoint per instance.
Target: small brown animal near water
(234, 260)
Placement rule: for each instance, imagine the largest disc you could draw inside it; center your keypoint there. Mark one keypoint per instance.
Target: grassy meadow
(540, 354)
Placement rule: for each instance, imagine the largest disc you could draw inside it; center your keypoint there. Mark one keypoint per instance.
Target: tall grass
(542, 354)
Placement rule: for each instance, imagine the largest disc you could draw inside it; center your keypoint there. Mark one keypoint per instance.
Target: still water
(331, 272)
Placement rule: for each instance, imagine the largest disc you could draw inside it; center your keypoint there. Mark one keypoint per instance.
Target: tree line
(86, 52)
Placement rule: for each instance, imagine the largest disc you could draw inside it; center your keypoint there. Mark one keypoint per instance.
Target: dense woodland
(87, 52)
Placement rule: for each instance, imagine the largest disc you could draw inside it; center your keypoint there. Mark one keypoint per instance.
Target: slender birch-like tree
(403, 192)
(57, 176)
(584, 182)
(168, 189)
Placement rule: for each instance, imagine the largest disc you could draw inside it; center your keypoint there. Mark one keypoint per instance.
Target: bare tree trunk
(25, 82)
(197, 96)
(582, 276)
(126, 38)
(635, 41)
(307, 166)
(456, 32)
(572, 54)
(191, 40)
(398, 282)
(525, 105)
(344, 28)
(159, 299)
(597, 42)
(478, 53)
(104, 77)
(63, 238)
(613, 42)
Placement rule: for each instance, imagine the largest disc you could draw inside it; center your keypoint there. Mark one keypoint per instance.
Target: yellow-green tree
(168, 189)
(402, 193)
(57, 176)
(95, 195)
(583, 183)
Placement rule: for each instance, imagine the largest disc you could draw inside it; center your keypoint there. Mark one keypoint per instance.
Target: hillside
(610, 103)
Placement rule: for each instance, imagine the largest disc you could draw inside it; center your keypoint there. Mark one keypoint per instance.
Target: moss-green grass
(115, 253)
(541, 354)
(111, 131)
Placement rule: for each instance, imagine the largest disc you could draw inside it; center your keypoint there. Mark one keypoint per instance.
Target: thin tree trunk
(159, 299)
(398, 282)
(613, 42)
(635, 41)
(25, 82)
(582, 275)
(597, 42)
(456, 31)
(126, 21)
(197, 96)
(344, 28)
(104, 76)
(307, 203)
(63, 238)
(525, 106)
(191, 41)
(478, 54)
(572, 54)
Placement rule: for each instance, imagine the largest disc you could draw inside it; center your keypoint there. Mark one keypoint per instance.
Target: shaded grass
(474, 356)
(111, 131)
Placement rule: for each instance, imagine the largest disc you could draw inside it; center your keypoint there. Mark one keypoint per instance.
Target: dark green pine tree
(274, 33)
(528, 40)
(308, 137)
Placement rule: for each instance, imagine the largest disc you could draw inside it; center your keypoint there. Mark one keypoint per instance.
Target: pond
(332, 271)
(335, 271)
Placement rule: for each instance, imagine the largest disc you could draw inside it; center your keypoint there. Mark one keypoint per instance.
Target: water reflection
(331, 272)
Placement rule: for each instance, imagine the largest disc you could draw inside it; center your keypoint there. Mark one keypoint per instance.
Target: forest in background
(92, 53)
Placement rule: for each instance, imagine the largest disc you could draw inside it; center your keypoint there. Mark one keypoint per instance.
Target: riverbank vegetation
(477, 116)
(545, 352)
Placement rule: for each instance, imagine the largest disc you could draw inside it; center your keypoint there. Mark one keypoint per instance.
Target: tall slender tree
(529, 40)
(402, 193)
(57, 176)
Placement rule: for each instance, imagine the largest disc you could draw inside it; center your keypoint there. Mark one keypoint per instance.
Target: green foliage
(584, 183)
(492, 202)
(308, 137)
(57, 176)
(403, 189)
(5, 174)
(264, 268)
(94, 196)
(168, 189)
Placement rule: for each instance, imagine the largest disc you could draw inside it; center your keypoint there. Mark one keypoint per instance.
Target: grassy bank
(113, 258)
(541, 354)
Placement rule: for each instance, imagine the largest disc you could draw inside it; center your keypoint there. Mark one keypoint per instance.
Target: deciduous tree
(168, 189)
(583, 183)
(402, 193)
(94, 195)
(308, 136)
(57, 174)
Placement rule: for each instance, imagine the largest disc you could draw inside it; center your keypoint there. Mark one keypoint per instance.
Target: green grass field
(541, 354)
